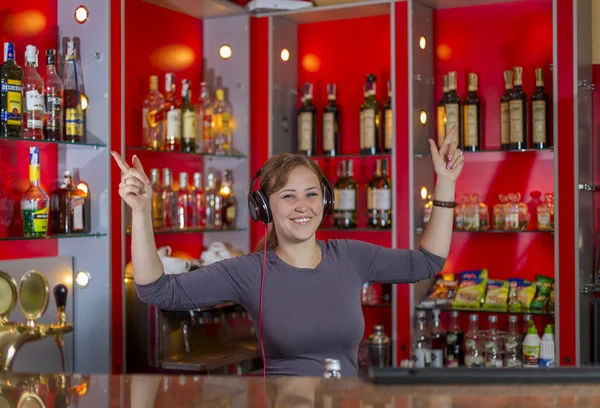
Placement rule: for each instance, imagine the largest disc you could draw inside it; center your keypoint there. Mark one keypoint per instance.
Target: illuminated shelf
(335, 229)
(452, 309)
(54, 236)
(235, 155)
(382, 305)
(201, 9)
(466, 152)
(493, 231)
(90, 141)
(191, 230)
(352, 156)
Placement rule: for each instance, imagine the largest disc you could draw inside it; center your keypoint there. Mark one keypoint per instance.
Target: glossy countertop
(137, 391)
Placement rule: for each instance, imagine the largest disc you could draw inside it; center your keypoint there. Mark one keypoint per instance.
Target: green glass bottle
(189, 122)
(11, 88)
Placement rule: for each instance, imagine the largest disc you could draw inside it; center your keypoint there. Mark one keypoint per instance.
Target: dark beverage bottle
(388, 122)
(188, 118)
(454, 339)
(60, 207)
(229, 208)
(518, 113)
(453, 109)
(379, 197)
(505, 111)
(345, 197)
(371, 119)
(441, 113)
(472, 117)
(539, 113)
(74, 120)
(307, 115)
(53, 95)
(331, 124)
(438, 341)
(173, 114)
(11, 89)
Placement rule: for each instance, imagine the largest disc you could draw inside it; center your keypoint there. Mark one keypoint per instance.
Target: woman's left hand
(448, 160)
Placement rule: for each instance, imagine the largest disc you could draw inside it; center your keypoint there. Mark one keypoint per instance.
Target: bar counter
(137, 391)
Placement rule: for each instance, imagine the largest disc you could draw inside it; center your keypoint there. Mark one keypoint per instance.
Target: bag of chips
(521, 295)
(470, 294)
(496, 297)
(442, 292)
(544, 286)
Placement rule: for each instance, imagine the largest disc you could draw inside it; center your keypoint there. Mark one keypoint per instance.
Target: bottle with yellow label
(35, 202)
(11, 87)
(223, 124)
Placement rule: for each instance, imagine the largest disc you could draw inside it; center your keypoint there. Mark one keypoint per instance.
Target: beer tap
(32, 297)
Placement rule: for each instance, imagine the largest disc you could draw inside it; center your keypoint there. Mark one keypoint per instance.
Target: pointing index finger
(120, 162)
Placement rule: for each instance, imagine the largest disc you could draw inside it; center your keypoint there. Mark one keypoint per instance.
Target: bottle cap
(532, 329)
(549, 329)
(30, 53)
(332, 364)
(50, 57)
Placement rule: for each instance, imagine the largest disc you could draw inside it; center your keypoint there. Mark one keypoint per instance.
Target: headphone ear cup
(328, 200)
(253, 208)
(262, 204)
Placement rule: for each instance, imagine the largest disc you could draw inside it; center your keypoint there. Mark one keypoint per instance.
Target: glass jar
(499, 212)
(545, 213)
(483, 213)
(472, 213)
(459, 213)
(511, 212)
(523, 214)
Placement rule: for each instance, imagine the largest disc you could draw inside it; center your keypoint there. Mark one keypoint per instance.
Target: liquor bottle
(223, 124)
(33, 90)
(11, 88)
(205, 113)
(512, 344)
(371, 119)
(60, 207)
(307, 135)
(421, 344)
(493, 353)
(361, 120)
(505, 111)
(438, 341)
(473, 349)
(229, 204)
(173, 113)
(35, 202)
(345, 197)
(518, 112)
(80, 210)
(331, 124)
(333, 370)
(198, 202)
(184, 203)
(454, 342)
(539, 113)
(152, 117)
(189, 119)
(379, 197)
(388, 122)
(472, 117)
(453, 108)
(53, 98)
(214, 203)
(158, 204)
(169, 200)
(441, 113)
(73, 116)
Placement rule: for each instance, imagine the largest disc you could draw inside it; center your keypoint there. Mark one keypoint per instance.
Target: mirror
(33, 295)
(30, 400)
(8, 295)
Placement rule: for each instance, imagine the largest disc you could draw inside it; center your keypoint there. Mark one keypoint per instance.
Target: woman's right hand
(135, 187)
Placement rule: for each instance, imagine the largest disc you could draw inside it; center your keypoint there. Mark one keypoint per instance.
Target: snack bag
(525, 292)
(497, 296)
(475, 274)
(470, 294)
(544, 286)
(442, 292)
(551, 300)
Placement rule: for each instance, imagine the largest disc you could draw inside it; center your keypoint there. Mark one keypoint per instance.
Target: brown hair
(274, 176)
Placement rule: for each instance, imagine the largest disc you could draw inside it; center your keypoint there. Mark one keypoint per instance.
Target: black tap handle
(60, 295)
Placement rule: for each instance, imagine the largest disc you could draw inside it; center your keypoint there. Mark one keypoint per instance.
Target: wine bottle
(388, 118)
(379, 197)
(441, 113)
(331, 124)
(173, 110)
(539, 113)
(505, 111)
(306, 123)
(453, 108)
(189, 120)
(371, 119)
(518, 112)
(472, 117)
(345, 197)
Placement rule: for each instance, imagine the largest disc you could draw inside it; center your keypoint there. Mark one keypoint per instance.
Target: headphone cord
(262, 284)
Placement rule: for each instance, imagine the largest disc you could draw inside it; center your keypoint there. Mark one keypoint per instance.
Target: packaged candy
(544, 286)
(470, 294)
(442, 292)
(496, 297)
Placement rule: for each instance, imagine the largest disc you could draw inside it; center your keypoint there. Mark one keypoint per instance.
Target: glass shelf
(55, 236)
(493, 231)
(352, 156)
(90, 141)
(453, 309)
(235, 155)
(382, 305)
(550, 149)
(191, 231)
(335, 229)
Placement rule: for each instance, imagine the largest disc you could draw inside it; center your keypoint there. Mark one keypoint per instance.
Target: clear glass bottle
(169, 200)
(333, 369)
(493, 344)
(53, 99)
(229, 210)
(379, 348)
(198, 202)
(33, 90)
(214, 203)
(438, 341)
(545, 213)
(512, 344)
(158, 207)
(454, 356)
(184, 202)
(205, 114)
(421, 344)
(499, 222)
(473, 349)
(154, 131)
(35, 204)
(223, 124)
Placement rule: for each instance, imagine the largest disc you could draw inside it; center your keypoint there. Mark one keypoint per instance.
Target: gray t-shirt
(308, 314)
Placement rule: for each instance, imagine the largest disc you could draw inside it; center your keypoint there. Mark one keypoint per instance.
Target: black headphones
(258, 202)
